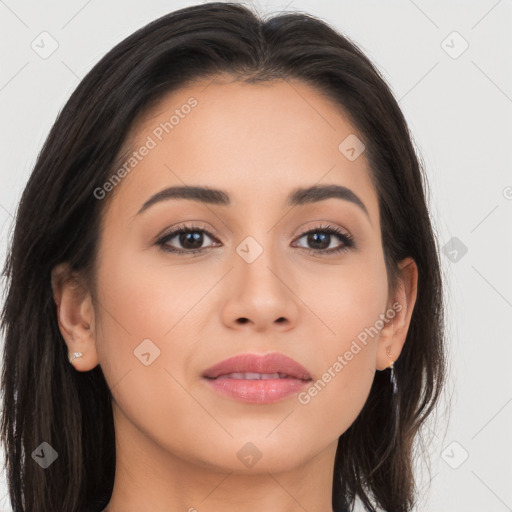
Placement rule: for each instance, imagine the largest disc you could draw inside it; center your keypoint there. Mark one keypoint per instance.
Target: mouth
(257, 379)
(256, 366)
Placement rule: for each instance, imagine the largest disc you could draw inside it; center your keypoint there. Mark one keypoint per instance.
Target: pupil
(315, 238)
(195, 239)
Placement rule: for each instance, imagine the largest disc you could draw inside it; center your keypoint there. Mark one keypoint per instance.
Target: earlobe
(75, 317)
(394, 334)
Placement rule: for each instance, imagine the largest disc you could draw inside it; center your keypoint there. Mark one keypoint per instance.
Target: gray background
(459, 108)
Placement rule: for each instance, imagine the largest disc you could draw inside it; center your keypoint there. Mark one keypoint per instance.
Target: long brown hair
(46, 400)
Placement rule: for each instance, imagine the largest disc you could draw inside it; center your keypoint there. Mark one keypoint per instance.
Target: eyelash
(348, 241)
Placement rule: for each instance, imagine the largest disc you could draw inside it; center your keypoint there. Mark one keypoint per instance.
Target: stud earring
(74, 356)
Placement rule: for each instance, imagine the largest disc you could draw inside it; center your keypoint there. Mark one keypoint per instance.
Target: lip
(268, 363)
(257, 391)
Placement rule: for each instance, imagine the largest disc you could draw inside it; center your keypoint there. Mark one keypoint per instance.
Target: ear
(393, 334)
(75, 315)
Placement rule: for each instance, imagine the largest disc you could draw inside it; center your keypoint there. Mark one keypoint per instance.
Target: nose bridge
(261, 295)
(259, 260)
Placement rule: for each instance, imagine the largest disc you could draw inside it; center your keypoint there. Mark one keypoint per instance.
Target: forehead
(256, 141)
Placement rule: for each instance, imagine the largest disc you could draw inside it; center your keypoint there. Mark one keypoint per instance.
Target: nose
(260, 295)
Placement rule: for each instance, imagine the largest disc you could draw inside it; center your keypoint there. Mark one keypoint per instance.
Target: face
(257, 272)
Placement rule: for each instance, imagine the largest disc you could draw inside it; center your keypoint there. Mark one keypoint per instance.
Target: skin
(177, 441)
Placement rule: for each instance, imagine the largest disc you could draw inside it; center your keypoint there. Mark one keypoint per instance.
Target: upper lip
(255, 363)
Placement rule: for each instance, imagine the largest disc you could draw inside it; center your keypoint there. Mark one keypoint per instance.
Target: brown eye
(189, 239)
(321, 238)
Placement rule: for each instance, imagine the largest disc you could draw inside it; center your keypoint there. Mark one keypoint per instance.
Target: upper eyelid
(183, 226)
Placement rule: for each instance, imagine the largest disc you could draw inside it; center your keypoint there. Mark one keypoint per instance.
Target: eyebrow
(297, 197)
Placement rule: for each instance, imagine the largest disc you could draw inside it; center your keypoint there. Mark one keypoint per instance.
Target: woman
(223, 285)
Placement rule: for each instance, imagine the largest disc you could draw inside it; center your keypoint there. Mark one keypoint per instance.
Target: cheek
(145, 309)
(148, 297)
(149, 309)
(346, 298)
(349, 309)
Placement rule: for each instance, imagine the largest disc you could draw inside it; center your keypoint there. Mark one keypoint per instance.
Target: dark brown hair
(58, 220)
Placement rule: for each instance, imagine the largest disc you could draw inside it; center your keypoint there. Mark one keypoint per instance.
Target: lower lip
(264, 391)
